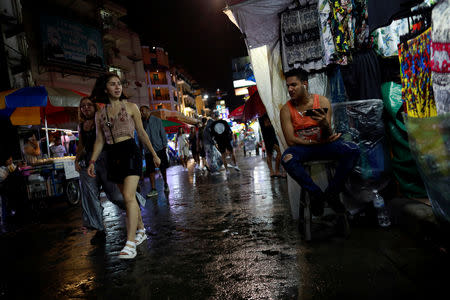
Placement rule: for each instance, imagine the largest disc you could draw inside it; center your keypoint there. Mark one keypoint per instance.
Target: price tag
(69, 169)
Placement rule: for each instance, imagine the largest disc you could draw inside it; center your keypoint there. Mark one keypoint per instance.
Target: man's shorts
(150, 165)
(224, 145)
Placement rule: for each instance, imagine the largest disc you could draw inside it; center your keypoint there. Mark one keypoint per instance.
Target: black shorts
(150, 165)
(123, 159)
(269, 143)
(224, 145)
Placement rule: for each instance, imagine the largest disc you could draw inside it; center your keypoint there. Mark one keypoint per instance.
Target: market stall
(350, 48)
(52, 177)
(43, 106)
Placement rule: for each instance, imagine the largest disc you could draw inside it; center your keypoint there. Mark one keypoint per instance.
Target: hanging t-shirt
(386, 39)
(415, 69)
(342, 28)
(329, 50)
(360, 24)
(440, 56)
(301, 45)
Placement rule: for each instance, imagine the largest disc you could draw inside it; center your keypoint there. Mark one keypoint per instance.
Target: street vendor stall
(53, 177)
(45, 177)
(349, 55)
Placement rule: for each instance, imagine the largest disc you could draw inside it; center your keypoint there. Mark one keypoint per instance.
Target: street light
(206, 96)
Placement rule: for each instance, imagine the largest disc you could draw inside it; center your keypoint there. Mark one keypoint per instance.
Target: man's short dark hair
(204, 120)
(144, 106)
(301, 74)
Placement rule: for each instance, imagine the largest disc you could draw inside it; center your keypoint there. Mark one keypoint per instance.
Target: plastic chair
(305, 216)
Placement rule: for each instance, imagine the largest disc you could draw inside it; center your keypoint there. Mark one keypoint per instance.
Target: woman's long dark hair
(81, 116)
(180, 129)
(98, 94)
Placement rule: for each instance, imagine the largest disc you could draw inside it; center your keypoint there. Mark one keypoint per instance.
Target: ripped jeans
(345, 153)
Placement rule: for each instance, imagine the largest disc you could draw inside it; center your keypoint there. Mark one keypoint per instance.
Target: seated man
(306, 123)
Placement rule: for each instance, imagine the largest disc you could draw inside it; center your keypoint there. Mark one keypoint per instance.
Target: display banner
(66, 42)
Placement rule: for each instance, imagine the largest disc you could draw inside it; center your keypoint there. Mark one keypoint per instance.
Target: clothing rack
(425, 12)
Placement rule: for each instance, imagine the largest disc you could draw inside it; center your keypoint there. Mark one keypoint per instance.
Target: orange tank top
(304, 126)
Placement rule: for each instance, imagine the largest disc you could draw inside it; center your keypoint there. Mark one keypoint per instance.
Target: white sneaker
(237, 168)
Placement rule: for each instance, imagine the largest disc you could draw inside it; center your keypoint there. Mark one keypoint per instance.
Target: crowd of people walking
(116, 137)
(109, 158)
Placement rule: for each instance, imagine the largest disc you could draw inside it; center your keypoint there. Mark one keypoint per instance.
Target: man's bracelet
(92, 161)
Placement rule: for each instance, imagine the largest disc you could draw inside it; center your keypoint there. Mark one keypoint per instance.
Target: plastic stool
(305, 216)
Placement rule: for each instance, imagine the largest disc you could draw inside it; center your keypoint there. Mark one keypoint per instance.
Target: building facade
(68, 45)
(160, 81)
(186, 87)
(15, 69)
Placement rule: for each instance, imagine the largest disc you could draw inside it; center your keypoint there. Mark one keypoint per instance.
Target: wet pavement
(215, 237)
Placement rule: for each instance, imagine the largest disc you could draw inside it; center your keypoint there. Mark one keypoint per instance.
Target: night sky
(197, 35)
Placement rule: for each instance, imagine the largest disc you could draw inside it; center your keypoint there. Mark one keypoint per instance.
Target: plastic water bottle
(382, 213)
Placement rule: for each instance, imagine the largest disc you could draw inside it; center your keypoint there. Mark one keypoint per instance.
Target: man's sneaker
(166, 188)
(317, 203)
(152, 193)
(236, 168)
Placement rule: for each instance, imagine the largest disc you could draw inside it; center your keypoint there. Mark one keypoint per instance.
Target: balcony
(158, 78)
(191, 105)
(161, 97)
(158, 81)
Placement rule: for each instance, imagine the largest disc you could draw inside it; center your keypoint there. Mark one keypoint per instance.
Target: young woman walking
(116, 123)
(182, 144)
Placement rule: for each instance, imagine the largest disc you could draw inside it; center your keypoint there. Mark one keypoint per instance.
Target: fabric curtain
(440, 56)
